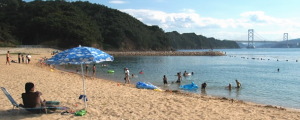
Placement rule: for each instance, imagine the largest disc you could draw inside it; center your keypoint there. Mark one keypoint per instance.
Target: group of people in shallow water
(238, 85)
(179, 77)
(87, 70)
(203, 85)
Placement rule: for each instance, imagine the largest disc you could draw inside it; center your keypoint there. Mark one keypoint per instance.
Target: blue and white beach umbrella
(80, 55)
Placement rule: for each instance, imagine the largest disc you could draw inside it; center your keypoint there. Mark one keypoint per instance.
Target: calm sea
(256, 69)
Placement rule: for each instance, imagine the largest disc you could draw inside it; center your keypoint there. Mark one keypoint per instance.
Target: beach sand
(108, 100)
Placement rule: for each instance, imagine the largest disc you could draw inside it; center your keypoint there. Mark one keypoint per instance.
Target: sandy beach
(108, 100)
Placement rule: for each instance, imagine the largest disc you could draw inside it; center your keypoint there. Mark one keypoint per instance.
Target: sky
(221, 19)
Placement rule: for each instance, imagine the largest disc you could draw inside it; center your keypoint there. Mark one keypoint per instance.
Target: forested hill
(62, 24)
(193, 41)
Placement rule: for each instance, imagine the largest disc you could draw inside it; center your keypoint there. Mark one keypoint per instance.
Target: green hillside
(193, 41)
(61, 24)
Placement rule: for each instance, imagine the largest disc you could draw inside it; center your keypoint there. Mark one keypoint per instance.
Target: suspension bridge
(256, 40)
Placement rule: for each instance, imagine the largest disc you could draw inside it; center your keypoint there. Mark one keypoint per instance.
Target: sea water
(256, 69)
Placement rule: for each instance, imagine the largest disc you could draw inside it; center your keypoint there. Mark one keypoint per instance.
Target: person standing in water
(238, 84)
(229, 87)
(127, 80)
(203, 85)
(179, 78)
(165, 80)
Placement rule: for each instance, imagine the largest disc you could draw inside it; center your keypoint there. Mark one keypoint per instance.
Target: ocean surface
(256, 69)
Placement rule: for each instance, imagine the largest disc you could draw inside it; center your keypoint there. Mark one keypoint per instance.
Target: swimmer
(229, 87)
(238, 84)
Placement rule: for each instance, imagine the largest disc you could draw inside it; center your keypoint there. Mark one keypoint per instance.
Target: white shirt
(127, 72)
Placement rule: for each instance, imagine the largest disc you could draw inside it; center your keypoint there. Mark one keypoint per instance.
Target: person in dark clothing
(203, 86)
(179, 78)
(165, 79)
(19, 57)
(32, 99)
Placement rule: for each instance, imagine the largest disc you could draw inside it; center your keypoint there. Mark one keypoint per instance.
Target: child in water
(165, 79)
(238, 84)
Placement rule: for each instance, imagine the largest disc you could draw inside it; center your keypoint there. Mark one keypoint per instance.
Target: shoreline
(188, 94)
(113, 100)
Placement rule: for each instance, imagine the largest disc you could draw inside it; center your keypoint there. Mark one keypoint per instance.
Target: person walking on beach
(127, 80)
(165, 80)
(238, 84)
(94, 70)
(7, 58)
(278, 70)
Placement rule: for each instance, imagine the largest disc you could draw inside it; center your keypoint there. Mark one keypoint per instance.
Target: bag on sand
(80, 113)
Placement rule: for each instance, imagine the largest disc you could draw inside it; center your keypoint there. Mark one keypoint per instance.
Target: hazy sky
(222, 19)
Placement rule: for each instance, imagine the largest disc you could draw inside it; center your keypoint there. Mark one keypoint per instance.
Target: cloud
(117, 2)
(187, 20)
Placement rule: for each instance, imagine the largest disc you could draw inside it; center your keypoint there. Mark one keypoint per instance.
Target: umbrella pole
(83, 83)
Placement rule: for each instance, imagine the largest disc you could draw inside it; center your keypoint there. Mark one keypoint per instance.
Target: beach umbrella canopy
(80, 55)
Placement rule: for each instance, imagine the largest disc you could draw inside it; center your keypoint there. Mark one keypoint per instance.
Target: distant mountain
(193, 41)
(64, 24)
(294, 43)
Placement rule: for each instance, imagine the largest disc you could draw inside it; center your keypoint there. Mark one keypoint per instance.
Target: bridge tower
(286, 38)
(250, 38)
